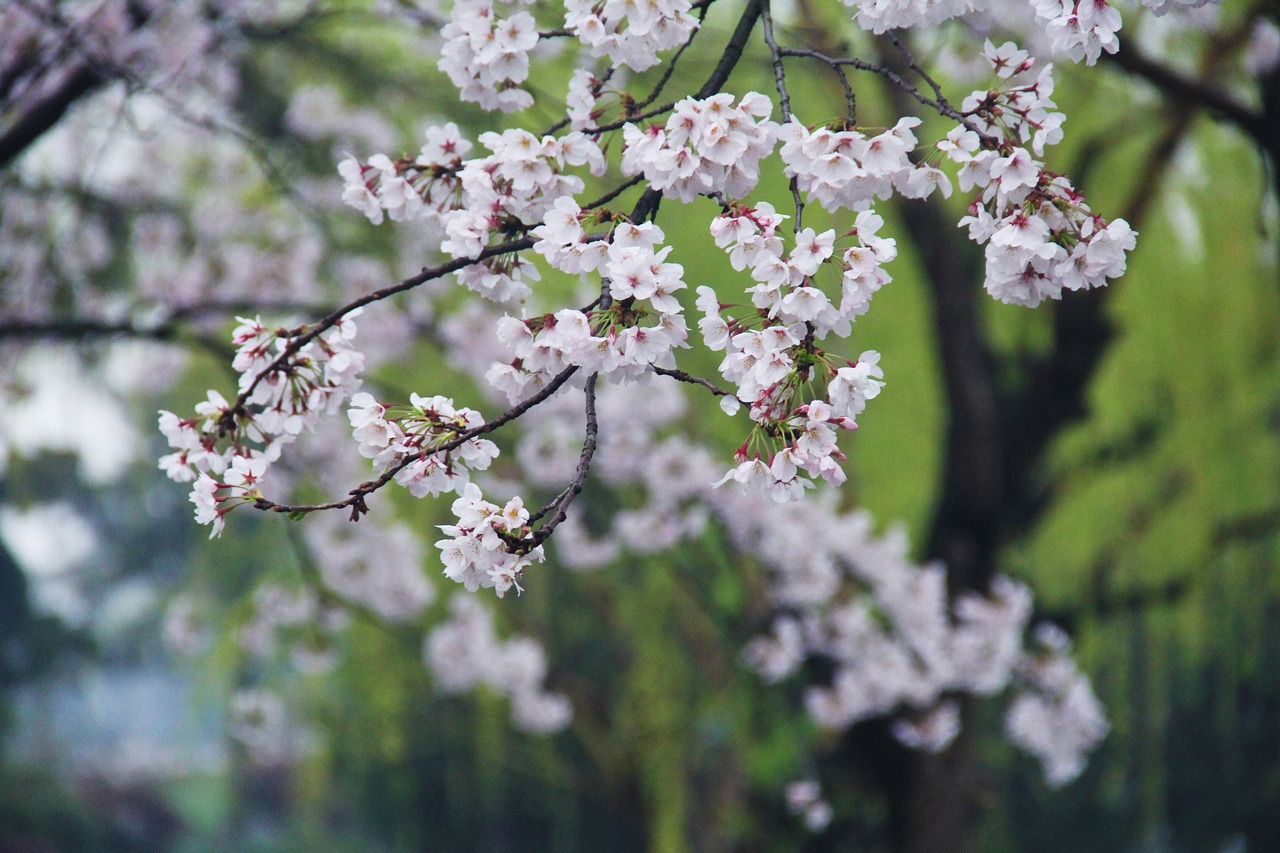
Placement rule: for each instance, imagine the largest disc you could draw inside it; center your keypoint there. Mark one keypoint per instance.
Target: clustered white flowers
(425, 443)
(707, 146)
(848, 169)
(1078, 29)
(629, 33)
(899, 647)
(1040, 235)
(489, 546)
(471, 201)
(772, 354)
(487, 56)
(639, 327)
(879, 16)
(1056, 717)
(378, 566)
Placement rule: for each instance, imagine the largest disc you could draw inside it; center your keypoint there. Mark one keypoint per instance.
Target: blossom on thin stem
(1040, 235)
(410, 439)
(707, 146)
(489, 546)
(285, 390)
(629, 33)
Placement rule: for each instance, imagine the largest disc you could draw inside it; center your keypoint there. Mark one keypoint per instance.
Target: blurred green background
(1153, 535)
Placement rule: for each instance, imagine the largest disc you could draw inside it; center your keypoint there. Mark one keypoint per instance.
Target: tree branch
(332, 319)
(356, 500)
(693, 380)
(46, 113)
(1196, 91)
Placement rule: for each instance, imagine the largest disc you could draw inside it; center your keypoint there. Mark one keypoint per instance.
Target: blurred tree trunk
(996, 439)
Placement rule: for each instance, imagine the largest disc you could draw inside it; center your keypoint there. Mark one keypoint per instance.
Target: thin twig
(357, 495)
(566, 497)
(915, 66)
(784, 98)
(561, 501)
(623, 122)
(332, 319)
(614, 193)
(693, 380)
(893, 77)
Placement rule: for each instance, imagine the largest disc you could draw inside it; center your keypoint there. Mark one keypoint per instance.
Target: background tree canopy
(1119, 451)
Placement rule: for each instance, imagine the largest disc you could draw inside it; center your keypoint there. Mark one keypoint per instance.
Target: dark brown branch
(332, 319)
(82, 329)
(1197, 91)
(693, 380)
(784, 98)
(732, 51)
(46, 113)
(779, 75)
(910, 59)
(356, 500)
(562, 500)
(614, 193)
(565, 498)
(653, 113)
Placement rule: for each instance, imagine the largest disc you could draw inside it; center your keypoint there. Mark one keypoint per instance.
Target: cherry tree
(538, 261)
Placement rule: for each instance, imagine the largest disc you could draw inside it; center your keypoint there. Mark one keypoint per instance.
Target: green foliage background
(1156, 544)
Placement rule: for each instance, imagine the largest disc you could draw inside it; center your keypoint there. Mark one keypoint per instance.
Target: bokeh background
(189, 176)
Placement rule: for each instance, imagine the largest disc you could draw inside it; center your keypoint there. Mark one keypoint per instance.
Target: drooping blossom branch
(783, 333)
(356, 501)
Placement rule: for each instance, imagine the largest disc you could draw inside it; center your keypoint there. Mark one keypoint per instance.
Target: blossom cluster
(1078, 30)
(426, 443)
(425, 186)
(487, 56)
(629, 33)
(488, 547)
(897, 645)
(582, 102)
(1040, 236)
(707, 146)
(848, 169)
(377, 566)
(786, 289)
(469, 202)
(285, 386)
(771, 354)
(879, 16)
(639, 326)
(1056, 718)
